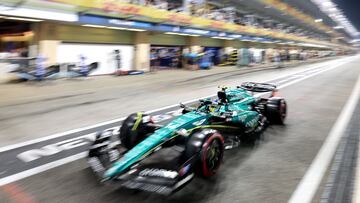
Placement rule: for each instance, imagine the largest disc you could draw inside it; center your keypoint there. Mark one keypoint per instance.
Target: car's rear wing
(258, 87)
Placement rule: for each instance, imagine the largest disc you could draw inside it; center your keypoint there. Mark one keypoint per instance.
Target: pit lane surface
(268, 173)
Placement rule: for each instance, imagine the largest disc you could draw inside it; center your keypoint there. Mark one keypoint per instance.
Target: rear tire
(276, 110)
(207, 147)
(134, 130)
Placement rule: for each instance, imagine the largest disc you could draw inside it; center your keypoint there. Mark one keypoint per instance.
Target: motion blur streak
(311, 181)
(16, 194)
(42, 168)
(51, 165)
(356, 197)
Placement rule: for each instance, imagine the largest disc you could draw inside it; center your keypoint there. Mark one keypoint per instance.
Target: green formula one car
(163, 159)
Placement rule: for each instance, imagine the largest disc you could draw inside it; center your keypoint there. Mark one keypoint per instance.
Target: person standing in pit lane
(118, 59)
(84, 69)
(40, 67)
(154, 60)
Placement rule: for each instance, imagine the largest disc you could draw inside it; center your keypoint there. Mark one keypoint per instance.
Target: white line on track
(309, 184)
(49, 137)
(22, 144)
(42, 168)
(51, 165)
(356, 192)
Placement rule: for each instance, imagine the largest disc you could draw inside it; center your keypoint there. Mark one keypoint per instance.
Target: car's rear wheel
(276, 110)
(207, 147)
(134, 129)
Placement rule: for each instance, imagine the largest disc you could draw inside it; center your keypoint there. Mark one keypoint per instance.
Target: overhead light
(327, 4)
(116, 28)
(312, 45)
(136, 30)
(318, 20)
(337, 15)
(235, 36)
(23, 19)
(181, 34)
(171, 33)
(355, 41)
(95, 26)
(225, 38)
(174, 33)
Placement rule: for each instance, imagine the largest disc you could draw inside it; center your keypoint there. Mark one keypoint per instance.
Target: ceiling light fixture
(136, 30)
(332, 10)
(23, 19)
(116, 28)
(94, 26)
(181, 34)
(224, 38)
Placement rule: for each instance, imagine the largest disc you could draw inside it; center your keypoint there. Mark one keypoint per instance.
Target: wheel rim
(213, 155)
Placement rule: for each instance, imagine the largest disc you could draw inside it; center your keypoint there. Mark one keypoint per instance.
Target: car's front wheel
(134, 129)
(207, 147)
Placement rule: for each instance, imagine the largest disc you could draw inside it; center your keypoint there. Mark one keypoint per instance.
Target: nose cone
(138, 152)
(152, 142)
(115, 169)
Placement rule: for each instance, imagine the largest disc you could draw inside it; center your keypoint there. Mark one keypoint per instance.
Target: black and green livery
(163, 159)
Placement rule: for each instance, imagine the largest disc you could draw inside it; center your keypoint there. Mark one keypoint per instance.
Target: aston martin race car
(164, 158)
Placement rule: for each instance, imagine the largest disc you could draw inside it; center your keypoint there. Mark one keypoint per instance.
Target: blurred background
(137, 36)
(70, 68)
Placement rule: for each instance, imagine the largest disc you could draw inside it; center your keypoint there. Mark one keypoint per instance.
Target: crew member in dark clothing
(118, 59)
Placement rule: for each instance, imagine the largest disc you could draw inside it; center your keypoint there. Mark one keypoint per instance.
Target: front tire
(134, 130)
(207, 147)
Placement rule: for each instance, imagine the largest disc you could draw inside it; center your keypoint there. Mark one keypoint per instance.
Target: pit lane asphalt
(268, 173)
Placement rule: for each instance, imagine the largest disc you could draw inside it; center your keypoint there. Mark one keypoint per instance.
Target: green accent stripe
(138, 120)
(176, 135)
(213, 126)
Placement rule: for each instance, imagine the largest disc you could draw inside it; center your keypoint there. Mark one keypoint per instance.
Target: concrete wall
(49, 48)
(142, 51)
